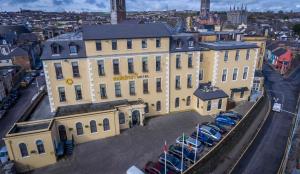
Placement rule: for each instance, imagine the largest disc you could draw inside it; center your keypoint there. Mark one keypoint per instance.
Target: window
(237, 55)
(146, 108)
(78, 92)
(106, 126)
(62, 94)
(116, 66)
(234, 75)
(73, 49)
(158, 85)
(220, 104)
(40, 146)
(121, 118)
(114, 44)
(177, 102)
(103, 91)
(130, 65)
(178, 62)
(98, 46)
(224, 75)
(191, 43)
(144, 43)
(178, 44)
(245, 73)
(177, 82)
(118, 89)
(55, 49)
(129, 44)
(201, 74)
(248, 55)
(158, 43)
(201, 57)
(23, 150)
(75, 69)
(198, 102)
(188, 101)
(189, 81)
(190, 61)
(145, 64)
(58, 71)
(242, 94)
(145, 86)
(132, 88)
(226, 56)
(93, 126)
(158, 63)
(101, 71)
(79, 128)
(208, 105)
(158, 106)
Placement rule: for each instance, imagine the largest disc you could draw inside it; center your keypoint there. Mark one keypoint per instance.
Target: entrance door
(135, 117)
(62, 133)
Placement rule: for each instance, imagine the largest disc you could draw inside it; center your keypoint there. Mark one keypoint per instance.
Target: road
(266, 152)
(18, 109)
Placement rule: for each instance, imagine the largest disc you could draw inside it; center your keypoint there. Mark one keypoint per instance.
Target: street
(267, 150)
(15, 113)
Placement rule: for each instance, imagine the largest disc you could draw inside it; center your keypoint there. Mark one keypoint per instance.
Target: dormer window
(191, 43)
(178, 44)
(73, 49)
(55, 49)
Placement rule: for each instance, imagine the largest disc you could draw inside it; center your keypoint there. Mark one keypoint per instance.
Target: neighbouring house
(282, 59)
(20, 58)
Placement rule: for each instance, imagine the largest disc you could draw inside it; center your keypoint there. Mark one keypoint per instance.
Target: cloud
(145, 5)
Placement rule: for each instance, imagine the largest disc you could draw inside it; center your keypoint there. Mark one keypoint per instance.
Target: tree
(296, 29)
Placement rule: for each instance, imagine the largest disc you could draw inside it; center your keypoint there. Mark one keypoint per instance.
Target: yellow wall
(214, 107)
(261, 43)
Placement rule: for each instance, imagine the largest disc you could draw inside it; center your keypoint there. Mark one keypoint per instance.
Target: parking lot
(134, 146)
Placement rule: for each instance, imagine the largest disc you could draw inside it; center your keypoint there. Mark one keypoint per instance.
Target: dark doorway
(136, 118)
(62, 133)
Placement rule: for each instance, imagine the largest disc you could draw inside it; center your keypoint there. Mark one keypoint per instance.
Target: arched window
(121, 118)
(79, 128)
(40, 146)
(158, 106)
(106, 124)
(23, 149)
(93, 126)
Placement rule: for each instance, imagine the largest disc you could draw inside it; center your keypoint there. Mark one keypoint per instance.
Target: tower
(118, 11)
(205, 8)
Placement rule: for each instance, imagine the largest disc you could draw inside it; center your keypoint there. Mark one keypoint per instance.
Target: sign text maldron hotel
(130, 77)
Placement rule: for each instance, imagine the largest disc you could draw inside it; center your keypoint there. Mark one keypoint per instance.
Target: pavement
(266, 152)
(15, 113)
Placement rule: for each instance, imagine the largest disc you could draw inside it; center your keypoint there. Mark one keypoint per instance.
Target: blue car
(203, 138)
(233, 115)
(224, 120)
(188, 155)
(173, 163)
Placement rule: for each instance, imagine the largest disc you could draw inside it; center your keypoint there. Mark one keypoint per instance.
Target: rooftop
(67, 37)
(228, 45)
(207, 92)
(30, 126)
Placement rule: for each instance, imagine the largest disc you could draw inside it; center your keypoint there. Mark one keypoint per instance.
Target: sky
(145, 5)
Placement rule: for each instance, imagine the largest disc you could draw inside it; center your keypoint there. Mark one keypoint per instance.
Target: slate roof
(28, 127)
(64, 41)
(184, 38)
(18, 52)
(207, 92)
(280, 51)
(228, 45)
(125, 31)
(4, 29)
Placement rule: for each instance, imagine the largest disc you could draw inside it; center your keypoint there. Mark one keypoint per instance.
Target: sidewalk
(233, 156)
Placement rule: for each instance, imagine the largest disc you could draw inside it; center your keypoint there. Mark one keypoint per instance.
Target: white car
(134, 170)
(277, 107)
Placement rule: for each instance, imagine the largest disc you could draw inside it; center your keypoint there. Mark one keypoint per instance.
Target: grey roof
(184, 38)
(280, 51)
(258, 73)
(210, 95)
(125, 31)
(240, 89)
(228, 45)
(28, 127)
(64, 41)
(18, 52)
(4, 29)
(92, 107)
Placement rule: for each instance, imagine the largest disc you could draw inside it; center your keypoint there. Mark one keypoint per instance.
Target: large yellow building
(111, 77)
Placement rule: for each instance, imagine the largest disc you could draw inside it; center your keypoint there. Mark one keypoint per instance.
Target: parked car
(26, 81)
(173, 163)
(188, 155)
(3, 155)
(233, 115)
(156, 168)
(203, 139)
(210, 132)
(190, 143)
(220, 129)
(224, 120)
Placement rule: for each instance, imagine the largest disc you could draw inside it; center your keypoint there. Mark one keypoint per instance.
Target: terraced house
(110, 77)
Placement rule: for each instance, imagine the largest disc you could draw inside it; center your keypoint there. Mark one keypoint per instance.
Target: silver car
(210, 132)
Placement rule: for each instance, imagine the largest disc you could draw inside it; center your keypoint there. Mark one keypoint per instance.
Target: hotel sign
(130, 77)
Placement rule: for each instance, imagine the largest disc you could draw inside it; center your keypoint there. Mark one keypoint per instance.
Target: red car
(156, 168)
